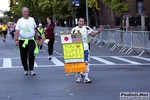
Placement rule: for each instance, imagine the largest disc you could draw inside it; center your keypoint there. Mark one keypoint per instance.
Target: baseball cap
(40, 24)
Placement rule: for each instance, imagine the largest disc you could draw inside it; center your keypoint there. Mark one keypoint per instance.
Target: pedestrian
(12, 29)
(148, 29)
(0, 30)
(85, 31)
(41, 37)
(49, 30)
(26, 37)
(4, 30)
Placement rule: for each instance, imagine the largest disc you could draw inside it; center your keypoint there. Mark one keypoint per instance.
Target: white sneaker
(49, 57)
(87, 80)
(78, 79)
(26, 73)
(32, 73)
(40, 51)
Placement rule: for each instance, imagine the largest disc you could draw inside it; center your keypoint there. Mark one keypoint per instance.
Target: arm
(36, 34)
(93, 33)
(51, 27)
(16, 37)
(35, 29)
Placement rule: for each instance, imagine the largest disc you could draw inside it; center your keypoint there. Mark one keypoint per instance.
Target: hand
(101, 28)
(45, 29)
(16, 42)
(68, 32)
(37, 41)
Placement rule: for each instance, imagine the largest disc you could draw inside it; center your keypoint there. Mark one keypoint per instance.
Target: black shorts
(39, 37)
(4, 32)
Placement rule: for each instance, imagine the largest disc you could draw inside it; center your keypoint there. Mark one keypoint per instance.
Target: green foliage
(119, 6)
(93, 4)
(59, 9)
(45, 8)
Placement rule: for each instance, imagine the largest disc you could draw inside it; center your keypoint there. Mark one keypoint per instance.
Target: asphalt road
(111, 72)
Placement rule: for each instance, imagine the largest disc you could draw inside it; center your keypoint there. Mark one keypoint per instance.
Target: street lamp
(143, 15)
(144, 11)
(127, 15)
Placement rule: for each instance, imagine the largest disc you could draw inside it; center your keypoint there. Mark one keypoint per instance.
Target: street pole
(87, 15)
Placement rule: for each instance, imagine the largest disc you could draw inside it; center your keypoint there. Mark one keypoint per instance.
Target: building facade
(138, 15)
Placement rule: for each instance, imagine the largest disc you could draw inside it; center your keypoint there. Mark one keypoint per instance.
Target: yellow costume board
(73, 53)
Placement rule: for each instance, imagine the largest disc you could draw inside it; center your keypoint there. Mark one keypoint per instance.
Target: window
(139, 6)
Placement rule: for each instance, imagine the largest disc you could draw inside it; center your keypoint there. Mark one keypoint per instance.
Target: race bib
(26, 29)
(84, 38)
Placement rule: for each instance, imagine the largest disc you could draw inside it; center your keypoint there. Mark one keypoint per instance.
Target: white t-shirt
(85, 31)
(26, 27)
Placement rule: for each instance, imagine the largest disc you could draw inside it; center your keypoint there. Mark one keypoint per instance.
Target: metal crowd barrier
(59, 29)
(124, 41)
(119, 40)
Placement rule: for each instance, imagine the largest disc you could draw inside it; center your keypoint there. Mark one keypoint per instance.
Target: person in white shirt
(85, 31)
(25, 37)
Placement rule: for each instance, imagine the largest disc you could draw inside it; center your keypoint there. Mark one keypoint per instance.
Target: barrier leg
(144, 51)
(141, 53)
(101, 44)
(108, 44)
(115, 46)
(130, 51)
(98, 42)
(121, 48)
(112, 47)
(94, 40)
(105, 45)
(127, 50)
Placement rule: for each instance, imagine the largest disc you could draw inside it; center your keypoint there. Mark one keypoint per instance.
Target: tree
(40, 9)
(93, 4)
(119, 6)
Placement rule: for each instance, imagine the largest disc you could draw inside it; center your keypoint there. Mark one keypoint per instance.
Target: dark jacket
(50, 31)
(148, 28)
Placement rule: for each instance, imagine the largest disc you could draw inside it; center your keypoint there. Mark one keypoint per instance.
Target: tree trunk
(95, 17)
(122, 22)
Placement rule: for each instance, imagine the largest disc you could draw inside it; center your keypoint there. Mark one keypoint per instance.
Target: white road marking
(57, 62)
(147, 59)
(126, 60)
(103, 60)
(7, 62)
(35, 64)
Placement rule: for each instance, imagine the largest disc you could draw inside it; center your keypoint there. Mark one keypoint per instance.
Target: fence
(58, 30)
(125, 41)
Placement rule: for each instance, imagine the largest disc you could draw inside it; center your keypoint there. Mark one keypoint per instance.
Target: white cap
(40, 24)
